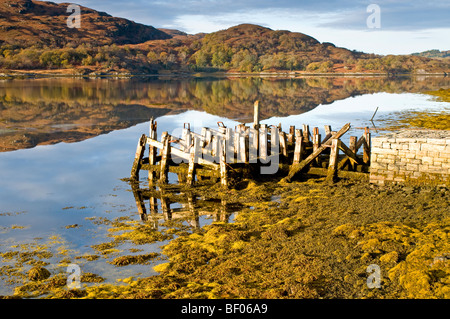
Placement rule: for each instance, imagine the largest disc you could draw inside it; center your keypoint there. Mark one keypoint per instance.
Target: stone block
(414, 147)
(412, 167)
(436, 141)
(378, 165)
(406, 140)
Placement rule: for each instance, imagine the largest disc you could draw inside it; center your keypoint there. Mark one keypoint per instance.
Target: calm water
(67, 143)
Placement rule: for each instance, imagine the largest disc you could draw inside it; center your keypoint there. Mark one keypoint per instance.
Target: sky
(371, 26)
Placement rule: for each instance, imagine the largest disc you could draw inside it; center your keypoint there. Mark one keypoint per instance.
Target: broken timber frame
(214, 152)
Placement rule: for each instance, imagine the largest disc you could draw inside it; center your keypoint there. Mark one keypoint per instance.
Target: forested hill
(34, 36)
(40, 23)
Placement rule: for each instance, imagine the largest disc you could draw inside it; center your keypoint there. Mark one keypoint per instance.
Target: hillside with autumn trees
(34, 37)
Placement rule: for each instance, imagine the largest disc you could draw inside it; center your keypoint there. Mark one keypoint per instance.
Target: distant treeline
(256, 50)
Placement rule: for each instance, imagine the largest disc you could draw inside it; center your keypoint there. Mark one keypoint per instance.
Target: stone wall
(411, 157)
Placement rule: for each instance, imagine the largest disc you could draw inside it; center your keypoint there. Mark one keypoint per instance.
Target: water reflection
(188, 206)
(49, 111)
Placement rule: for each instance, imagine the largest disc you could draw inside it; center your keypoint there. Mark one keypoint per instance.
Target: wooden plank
(177, 152)
(332, 167)
(327, 129)
(138, 158)
(347, 151)
(298, 147)
(340, 174)
(165, 153)
(296, 168)
(360, 143)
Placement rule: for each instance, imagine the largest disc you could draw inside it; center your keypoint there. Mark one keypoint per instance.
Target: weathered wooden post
(298, 149)
(165, 207)
(187, 137)
(332, 167)
(256, 115)
(223, 164)
(165, 155)
(138, 158)
(316, 143)
(243, 149)
(152, 150)
(192, 161)
(306, 134)
(291, 135)
(283, 144)
(296, 168)
(253, 145)
(352, 146)
(139, 199)
(366, 146)
(263, 143)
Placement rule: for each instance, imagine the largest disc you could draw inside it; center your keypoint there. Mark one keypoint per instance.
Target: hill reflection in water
(49, 111)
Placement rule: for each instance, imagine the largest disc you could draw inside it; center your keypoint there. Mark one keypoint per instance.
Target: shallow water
(92, 128)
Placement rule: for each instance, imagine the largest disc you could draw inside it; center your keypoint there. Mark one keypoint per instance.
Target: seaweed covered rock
(38, 273)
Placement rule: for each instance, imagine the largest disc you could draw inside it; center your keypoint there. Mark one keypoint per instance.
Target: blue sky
(406, 26)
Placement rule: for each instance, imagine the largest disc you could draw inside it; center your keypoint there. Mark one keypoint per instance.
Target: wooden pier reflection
(156, 205)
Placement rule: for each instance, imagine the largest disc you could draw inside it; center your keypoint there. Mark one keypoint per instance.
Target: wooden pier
(222, 153)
